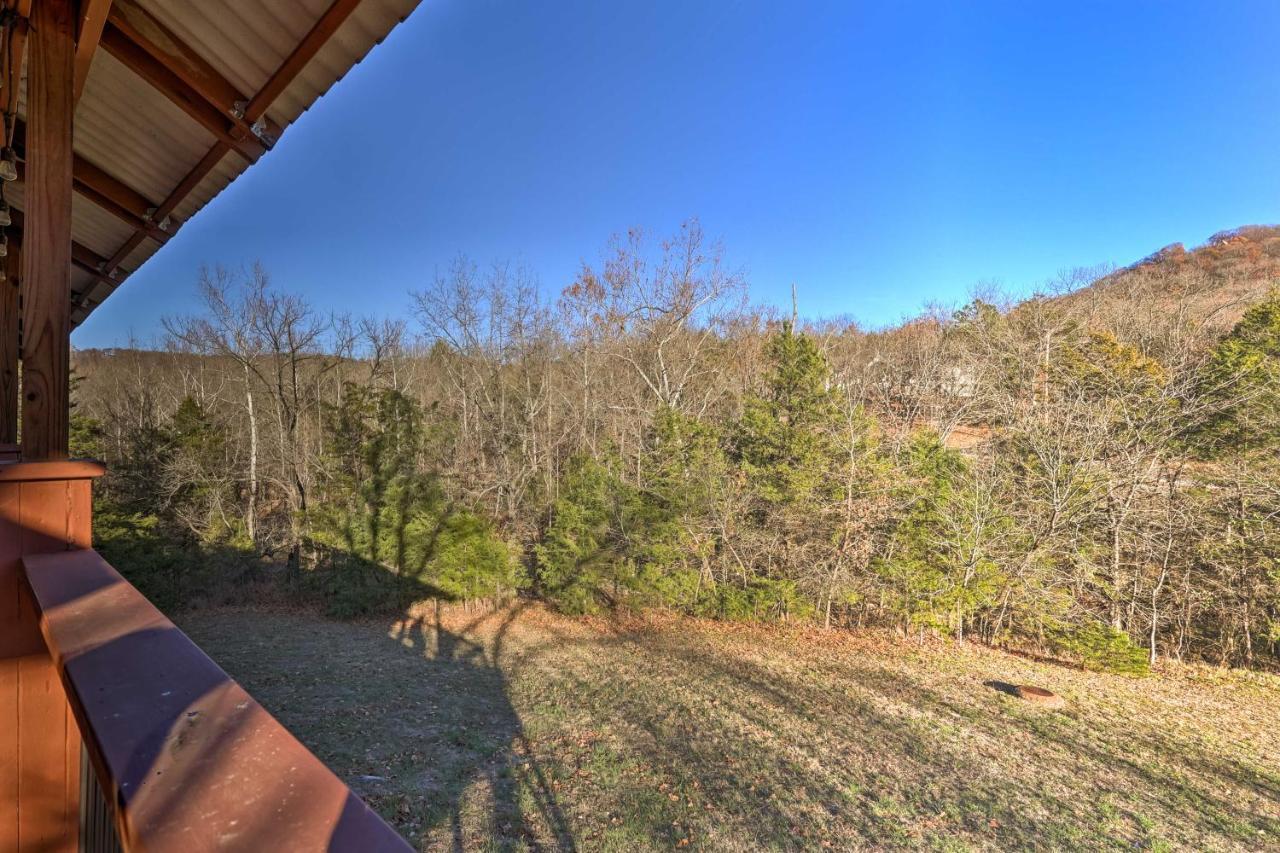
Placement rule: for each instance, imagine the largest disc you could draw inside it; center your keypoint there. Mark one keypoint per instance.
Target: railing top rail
(12, 470)
(189, 760)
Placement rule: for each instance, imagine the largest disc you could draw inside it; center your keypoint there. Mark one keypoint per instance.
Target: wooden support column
(44, 505)
(46, 239)
(9, 314)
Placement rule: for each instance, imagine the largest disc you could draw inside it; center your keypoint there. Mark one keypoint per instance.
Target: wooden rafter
(160, 43)
(169, 84)
(90, 182)
(151, 50)
(91, 19)
(316, 38)
(311, 43)
(82, 257)
(125, 212)
(112, 195)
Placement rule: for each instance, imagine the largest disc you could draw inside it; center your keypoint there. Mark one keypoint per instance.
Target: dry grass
(525, 729)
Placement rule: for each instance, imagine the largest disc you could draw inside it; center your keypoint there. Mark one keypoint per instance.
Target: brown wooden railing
(181, 755)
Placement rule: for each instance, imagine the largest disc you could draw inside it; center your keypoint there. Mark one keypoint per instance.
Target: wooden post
(46, 241)
(44, 505)
(9, 347)
(44, 508)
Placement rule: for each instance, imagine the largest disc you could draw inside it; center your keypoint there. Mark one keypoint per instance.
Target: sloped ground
(521, 728)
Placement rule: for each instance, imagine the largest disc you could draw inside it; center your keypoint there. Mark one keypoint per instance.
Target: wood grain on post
(9, 308)
(46, 239)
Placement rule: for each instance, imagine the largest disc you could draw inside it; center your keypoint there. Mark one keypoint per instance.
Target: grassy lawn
(521, 728)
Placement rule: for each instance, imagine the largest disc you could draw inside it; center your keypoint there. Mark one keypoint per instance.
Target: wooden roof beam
(92, 263)
(82, 256)
(90, 21)
(104, 201)
(316, 38)
(153, 51)
(183, 96)
(93, 184)
(311, 43)
(107, 192)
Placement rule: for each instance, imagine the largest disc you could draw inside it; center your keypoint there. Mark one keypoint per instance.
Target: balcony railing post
(44, 507)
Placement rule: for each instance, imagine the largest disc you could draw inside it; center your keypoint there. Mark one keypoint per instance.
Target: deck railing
(184, 757)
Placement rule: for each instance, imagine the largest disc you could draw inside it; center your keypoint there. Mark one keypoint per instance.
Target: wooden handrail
(36, 472)
(186, 757)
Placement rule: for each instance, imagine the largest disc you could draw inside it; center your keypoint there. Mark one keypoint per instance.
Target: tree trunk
(251, 515)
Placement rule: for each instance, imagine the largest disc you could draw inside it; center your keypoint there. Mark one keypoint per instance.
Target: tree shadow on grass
(487, 743)
(1160, 763)
(417, 717)
(774, 751)
(811, 748)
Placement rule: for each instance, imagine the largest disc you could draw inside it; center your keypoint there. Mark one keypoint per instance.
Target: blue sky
(877, 155)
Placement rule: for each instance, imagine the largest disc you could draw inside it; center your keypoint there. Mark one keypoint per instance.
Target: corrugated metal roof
(139, 137)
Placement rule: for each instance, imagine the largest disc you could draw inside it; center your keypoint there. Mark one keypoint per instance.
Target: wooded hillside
(1091, 472)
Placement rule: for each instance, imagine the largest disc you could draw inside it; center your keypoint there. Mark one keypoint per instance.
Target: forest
(1090, 472)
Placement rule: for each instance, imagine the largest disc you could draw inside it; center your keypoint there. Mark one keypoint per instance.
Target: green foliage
(387, 529)
(85, 439)
(381, 505)
(937, 569)
(154, 512)
(584, 558)
(785, 439)
(1103, 366)
(760, 490)
(134, 481)
(171, 570)
(173, 469)
(471, 561)
(192, 429)
(1242, 381)
(151, 560)
(760, 600)
(688, 480)
(1104, 648)
(197, 487)
(789, 448)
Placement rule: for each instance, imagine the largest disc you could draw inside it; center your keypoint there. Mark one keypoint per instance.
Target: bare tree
(226, 329)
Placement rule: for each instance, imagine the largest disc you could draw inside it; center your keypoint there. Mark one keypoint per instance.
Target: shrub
(1104, 648)
(762, 599)
(471, 561)
(582, 561)
(171, 569)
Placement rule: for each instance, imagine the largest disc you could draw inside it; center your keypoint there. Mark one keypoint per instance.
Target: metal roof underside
(135, 137)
